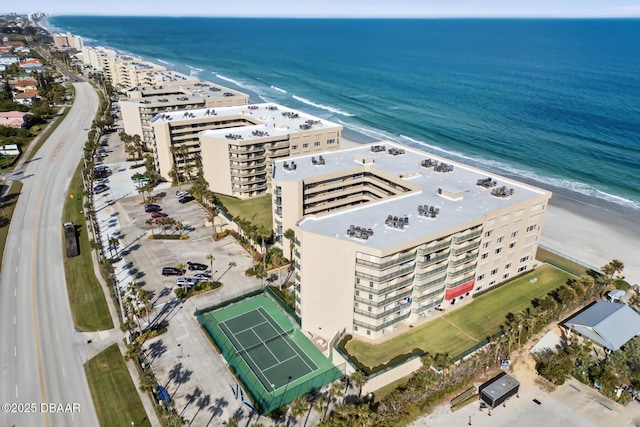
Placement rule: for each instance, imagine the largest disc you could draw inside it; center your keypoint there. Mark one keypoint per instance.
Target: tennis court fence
(266, 401)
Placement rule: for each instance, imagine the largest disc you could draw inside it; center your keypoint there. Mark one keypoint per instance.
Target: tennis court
(267, 352)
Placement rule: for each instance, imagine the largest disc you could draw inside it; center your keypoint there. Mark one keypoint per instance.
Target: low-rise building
(386, 234)
(13, 119)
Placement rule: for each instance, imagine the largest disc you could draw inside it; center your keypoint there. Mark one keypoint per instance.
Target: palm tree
(336, 390)
(298, 407)
(210, 258)
(113, 243)
(291, 236)
(319, 405)
(150, 222)
(359, 380)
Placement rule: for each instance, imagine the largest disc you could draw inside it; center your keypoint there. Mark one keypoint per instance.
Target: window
(531, 228)
(512, 245)
(521, 269)
(305, 145)
(368, 332)
(357, 305)
(500, 239)
(355, 328)
(316, 144)
(371, 296)
(484, 256)
(331, 141)
(493, 282)
(514, 234)
(523, 259)
(357, 293)
(507, 266)
(498, 250)
(505, 276)
(494, 271)
(485, 245)
(357, 280)
(488, 233)
(371, 284)
(369, 309)
(295, 147)
(480, 277)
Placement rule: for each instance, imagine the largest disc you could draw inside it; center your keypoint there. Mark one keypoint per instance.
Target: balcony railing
(464, 260)
(437, 281)
(460, 282)
(380, 315)
(383, 325)
(379, 291)
(389, 300)
(431, 294)
(438, 247)
(453, 274)
(427, 306)
(387, 264)
(468, 236)
(431, 273)
(433, 260)
(466, 248)
(387, 277)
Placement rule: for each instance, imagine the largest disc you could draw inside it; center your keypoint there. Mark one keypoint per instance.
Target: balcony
(427, 306)
(379, 291)
(464, 260)
(387, 264)
(387, 277)
(453, 274)
(467, 236)
(435, 282)
(436, 248)
(383, 325)
(460, 282)
(468, 247)
(392, 299)
(431, 273)
(246, 149)
(431, 294)
(373, 315)
(433, 260)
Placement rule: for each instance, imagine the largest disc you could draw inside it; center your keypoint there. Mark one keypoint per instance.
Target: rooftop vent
(163, 100)
(396, 151)
(359, 232)
(253, 107)
(309, 124)
(290, 166)
(233, 136)
(428, 163)
(486, 182)
(502, 192)
(228, 94)
(290, 115)
(272, 108)
(397, 222)
(317, 162)
(210, 112)
(427, 211)
(259, 133)
(443, 167)
(378, 148)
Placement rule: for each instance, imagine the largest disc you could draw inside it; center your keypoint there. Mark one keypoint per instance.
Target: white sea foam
(321, 106)
(165, 62)
(277, 89)
(230, 80)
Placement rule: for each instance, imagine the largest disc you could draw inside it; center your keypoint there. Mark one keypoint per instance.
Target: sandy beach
(589, 234)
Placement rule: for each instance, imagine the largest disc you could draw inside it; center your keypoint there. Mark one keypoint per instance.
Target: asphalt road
(41, 354)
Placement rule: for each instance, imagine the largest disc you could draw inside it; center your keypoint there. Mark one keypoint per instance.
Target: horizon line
(443, 17)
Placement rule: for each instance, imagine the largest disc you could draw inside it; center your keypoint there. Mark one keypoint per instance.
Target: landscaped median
(86, 297)
(114, 394)
(460, 330)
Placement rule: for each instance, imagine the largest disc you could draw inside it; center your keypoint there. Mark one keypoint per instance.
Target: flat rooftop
(268, 120)
(467, 201)
(188, 93)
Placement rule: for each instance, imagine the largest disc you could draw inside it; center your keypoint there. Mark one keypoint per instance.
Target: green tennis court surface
(273, 359)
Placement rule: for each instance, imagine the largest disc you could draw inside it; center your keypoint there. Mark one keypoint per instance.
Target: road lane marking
(16, 390)
(15, 351)
(19, 250)
(63, 373)
(15, 322)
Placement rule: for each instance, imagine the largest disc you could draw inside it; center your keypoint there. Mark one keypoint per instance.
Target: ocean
(556, 102)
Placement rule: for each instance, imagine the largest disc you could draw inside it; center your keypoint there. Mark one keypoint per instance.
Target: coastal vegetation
(7, 206)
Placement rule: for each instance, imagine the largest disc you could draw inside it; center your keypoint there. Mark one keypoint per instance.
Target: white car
(186, 281)
(181, 194)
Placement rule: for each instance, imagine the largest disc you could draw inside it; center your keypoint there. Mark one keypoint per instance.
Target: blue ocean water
(556, 101)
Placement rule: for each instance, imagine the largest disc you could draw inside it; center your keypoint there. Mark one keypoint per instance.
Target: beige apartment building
(175, 93)
(238, 144)
(386, 234)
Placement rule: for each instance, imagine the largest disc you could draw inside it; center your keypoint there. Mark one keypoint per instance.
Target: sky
(334, 8)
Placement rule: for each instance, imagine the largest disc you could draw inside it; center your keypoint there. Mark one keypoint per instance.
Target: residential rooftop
(188, 93)
(264, 120)
(450, 187)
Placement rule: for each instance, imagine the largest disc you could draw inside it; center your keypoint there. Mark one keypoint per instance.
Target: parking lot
(183, 359)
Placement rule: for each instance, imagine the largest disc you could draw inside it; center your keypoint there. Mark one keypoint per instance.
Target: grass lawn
(88, 304)
(257, 210)
(453, 333)
(114, 394)
(6, 212)
(558, 261)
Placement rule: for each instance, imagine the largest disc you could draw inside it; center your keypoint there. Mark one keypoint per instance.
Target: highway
(41, 354)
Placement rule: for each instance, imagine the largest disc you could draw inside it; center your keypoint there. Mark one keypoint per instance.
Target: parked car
(196, 266)
(202, 277)
(181, 194)
(186, 281)
(172, 271)
(152, 208)
(186, 199)
(100, 188)
(158, 215)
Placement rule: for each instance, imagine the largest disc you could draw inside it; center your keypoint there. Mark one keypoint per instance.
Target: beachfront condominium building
(385, 234)
(237, 145)
(172, 94)
(68, 40)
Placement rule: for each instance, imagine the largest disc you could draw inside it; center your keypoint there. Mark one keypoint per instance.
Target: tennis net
(244, 350)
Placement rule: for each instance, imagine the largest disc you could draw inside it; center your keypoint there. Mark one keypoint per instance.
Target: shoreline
(586, 228)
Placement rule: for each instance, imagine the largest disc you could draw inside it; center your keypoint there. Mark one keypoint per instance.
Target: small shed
(498, 389)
